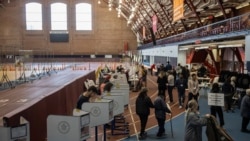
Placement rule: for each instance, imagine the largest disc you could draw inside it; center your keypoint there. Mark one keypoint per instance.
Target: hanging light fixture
(99, 1)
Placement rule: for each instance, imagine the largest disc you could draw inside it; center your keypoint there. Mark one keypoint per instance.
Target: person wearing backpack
(245, 112)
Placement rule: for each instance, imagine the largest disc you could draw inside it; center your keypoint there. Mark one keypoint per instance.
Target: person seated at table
(202, 71)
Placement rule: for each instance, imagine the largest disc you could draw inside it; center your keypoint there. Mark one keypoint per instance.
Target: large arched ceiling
(197, 13)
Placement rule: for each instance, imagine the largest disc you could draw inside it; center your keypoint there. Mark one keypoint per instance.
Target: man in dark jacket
(245, 112)
(228, 90)
(181, 84)
(160, 113)
(143, 105)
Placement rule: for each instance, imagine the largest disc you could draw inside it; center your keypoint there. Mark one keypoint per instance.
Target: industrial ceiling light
(201, 47)
(230, 45)
(185, 48)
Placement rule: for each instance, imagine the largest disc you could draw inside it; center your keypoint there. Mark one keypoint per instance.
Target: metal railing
(235, 24)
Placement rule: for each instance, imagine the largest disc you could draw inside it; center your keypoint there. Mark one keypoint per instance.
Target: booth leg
(96, 133)
(104, 132)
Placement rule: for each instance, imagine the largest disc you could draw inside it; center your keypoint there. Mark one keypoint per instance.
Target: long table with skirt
(56, 94)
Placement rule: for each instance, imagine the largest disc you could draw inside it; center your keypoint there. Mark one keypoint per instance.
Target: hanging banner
(154, 23)
(125, 46)
(178, 8)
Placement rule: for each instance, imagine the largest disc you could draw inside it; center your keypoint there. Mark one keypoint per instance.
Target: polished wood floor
(133, 120)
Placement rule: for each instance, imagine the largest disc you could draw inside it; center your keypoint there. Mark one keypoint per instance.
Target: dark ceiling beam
(158, 19)
(185, 27)
(222, 9)
(167, 16)
(146, 25)
(192, 7)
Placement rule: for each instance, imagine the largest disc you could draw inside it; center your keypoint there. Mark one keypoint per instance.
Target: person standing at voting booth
(89, 96)
(217, 109)
(193, 89)
(194, 123)
(161, 109)
(142, 106)
(245, 112)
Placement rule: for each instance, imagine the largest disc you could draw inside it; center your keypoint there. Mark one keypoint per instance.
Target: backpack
(216, 133)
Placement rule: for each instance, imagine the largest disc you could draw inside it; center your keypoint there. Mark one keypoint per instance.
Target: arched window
(83, 16)
(59, 16)
(33, 13)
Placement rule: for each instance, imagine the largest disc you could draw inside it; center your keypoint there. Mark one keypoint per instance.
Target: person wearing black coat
(228, 89)
(160, 113)
(217, 109)
(162, 81)
(143, 105)
(181, 84)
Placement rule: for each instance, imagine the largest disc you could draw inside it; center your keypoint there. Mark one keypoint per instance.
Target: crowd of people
(184, 81)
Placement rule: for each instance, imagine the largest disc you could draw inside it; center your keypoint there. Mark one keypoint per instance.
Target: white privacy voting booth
(68, 128)
(118, 102)
(17, 133)
(101, 111)
(123, 92)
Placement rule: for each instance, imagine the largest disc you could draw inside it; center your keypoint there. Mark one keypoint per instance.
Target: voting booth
(20, 132)
(118, 102)
(68, 128)
(122, 92)
(118, 123)
(101, 111)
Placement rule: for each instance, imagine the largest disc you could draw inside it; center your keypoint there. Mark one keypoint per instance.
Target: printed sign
(216, 99)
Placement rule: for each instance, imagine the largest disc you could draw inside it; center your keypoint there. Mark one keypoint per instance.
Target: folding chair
(170, 114)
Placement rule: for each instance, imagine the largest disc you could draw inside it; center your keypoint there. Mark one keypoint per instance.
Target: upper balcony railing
(235, 24)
